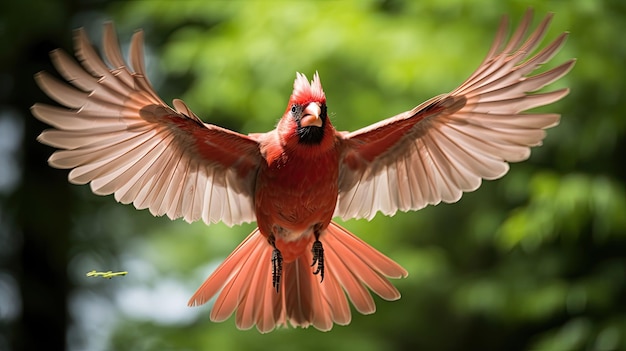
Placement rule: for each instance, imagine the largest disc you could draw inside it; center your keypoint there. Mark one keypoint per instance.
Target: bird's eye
(293, 109)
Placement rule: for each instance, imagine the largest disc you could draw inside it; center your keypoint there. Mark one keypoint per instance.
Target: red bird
(297, 266)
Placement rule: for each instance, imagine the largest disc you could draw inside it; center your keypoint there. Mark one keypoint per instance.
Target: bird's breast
(294, 194)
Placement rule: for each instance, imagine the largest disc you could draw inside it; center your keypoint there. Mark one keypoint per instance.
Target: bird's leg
(277, 263)
(318, 253)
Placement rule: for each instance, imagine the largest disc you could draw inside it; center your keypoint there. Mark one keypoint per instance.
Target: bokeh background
(534, 261)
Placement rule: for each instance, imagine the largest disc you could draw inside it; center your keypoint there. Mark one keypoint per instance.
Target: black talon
(277, 268)
(277, 263)
(318, 257)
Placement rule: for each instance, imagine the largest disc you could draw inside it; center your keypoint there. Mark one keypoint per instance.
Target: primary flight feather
(298, 266)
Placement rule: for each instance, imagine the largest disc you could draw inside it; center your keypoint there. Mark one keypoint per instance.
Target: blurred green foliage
(535, 261)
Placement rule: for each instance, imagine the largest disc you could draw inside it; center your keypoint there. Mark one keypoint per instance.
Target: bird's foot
(318, 257)
(277, 268)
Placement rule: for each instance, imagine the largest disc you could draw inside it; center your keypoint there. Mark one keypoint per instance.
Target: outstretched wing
(447, 145)
(118, 135)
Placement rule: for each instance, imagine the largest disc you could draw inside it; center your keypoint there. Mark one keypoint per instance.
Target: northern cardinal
(297, 266)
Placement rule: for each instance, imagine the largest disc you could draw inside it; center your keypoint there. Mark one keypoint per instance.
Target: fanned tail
(244, 284)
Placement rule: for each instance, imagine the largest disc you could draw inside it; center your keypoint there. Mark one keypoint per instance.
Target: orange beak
(311, 116)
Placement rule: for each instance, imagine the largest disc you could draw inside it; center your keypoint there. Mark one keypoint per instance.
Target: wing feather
(447, 145)
(116, 134)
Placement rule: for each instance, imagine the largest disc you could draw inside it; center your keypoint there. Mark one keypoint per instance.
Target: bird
(299, 267)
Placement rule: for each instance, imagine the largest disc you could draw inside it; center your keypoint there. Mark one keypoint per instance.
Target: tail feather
(358, 294)
(271, 312)
(368, 265)
(251, 306)
(303, 301)
(224, 272)
(250, 280)
(372, 257)
(336, 299)
(244, 284)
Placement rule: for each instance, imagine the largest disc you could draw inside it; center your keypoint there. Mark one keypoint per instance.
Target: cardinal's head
(306, 117)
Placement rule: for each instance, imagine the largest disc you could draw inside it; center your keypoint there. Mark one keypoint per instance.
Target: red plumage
(298, 267)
